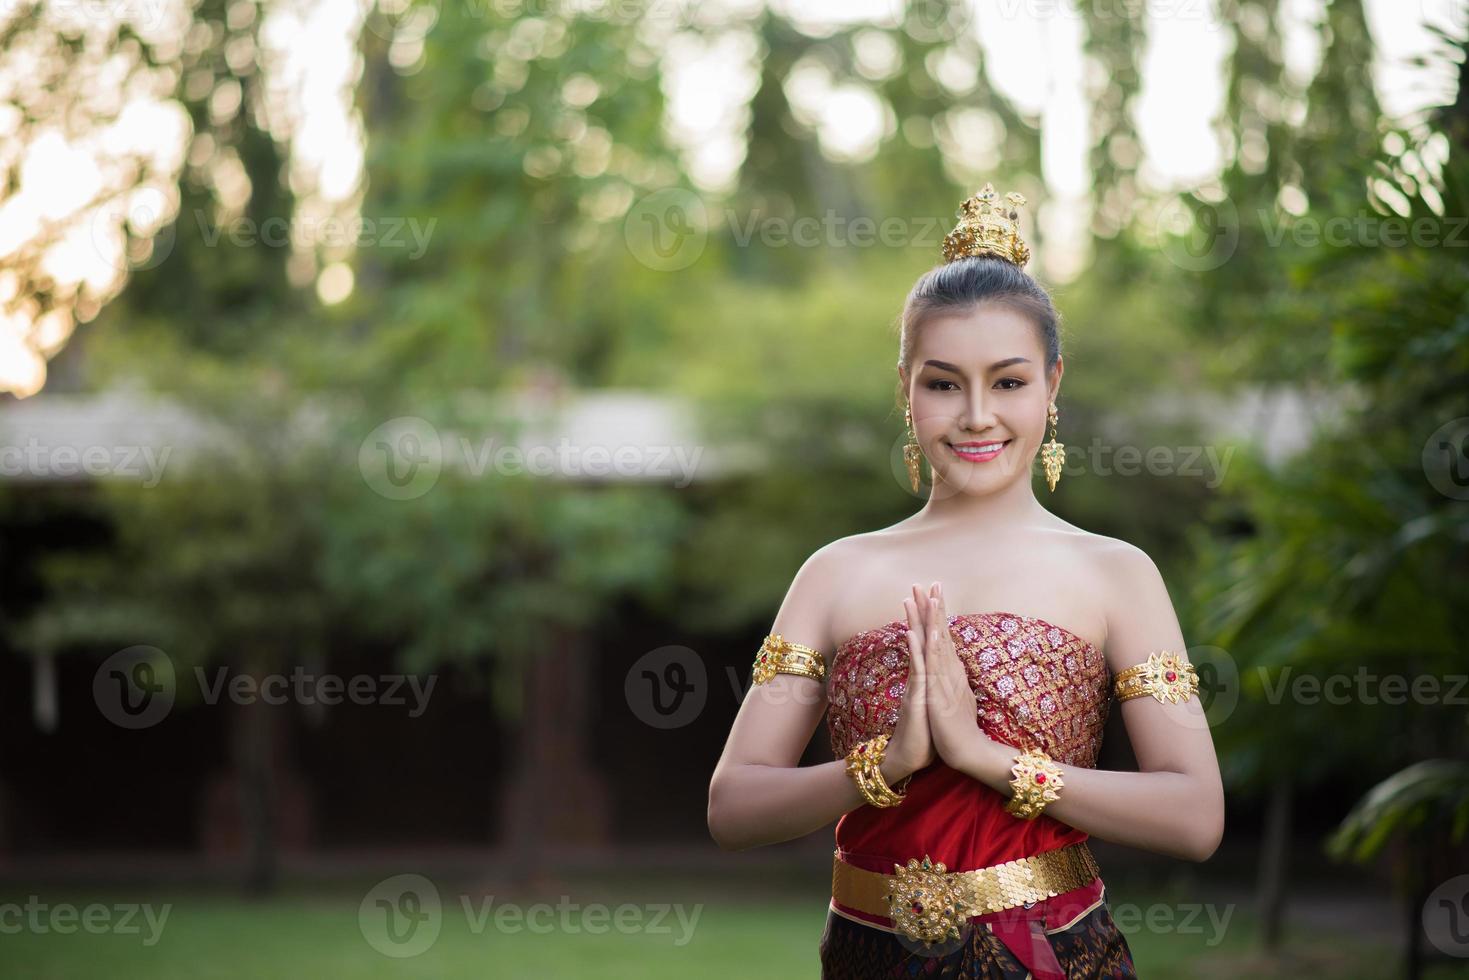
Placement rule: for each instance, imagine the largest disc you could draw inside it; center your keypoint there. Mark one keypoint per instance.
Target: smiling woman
(964, 783)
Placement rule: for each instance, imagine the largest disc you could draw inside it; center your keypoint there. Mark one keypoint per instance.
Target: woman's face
(979, 378)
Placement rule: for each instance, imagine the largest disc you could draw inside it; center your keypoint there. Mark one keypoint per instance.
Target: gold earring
(1053, 453)
(912, 454)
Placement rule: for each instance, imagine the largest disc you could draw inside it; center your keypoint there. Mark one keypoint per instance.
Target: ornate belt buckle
(925, 902)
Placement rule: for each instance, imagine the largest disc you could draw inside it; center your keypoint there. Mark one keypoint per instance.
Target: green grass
(727, 932)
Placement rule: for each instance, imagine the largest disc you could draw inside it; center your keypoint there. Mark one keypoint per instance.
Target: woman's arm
(1175, 804)
(759, 793)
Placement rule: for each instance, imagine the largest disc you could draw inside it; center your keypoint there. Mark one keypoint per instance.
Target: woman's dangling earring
(1053, 453)
(912, 454)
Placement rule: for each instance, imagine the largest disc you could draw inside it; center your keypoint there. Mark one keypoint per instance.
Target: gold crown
(985, 228)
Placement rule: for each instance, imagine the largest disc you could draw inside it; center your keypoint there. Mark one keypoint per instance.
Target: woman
(966, 727)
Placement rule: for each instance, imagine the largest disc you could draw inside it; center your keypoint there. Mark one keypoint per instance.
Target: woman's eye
(933, 385)
(1018, 383)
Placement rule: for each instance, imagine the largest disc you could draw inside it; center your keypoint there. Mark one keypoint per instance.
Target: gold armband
(780, 656)
(1168, 677)
(863, 764)
(1037, 782)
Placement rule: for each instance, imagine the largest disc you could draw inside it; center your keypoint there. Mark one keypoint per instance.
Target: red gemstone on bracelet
(1171, 676)
(1040, 777)
(861, 748)
(917, 909)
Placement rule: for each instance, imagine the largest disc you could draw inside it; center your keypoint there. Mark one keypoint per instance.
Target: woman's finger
(920, 603)
(915, 618)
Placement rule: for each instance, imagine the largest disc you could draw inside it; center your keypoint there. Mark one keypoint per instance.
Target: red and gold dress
(1035, 684)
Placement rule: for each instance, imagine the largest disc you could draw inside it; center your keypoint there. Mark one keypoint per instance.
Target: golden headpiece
(986, 228)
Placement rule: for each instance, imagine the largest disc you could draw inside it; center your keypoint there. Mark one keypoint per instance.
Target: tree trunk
(1273, 852)
(554, 796)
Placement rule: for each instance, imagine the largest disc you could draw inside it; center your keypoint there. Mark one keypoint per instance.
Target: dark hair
(959, 285)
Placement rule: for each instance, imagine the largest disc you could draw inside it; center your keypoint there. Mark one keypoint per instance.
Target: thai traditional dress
(1036, 684)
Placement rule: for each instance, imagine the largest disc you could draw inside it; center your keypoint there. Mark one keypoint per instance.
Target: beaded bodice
(1034, 683)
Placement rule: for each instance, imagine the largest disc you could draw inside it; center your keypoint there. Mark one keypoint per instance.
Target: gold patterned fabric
(1034, 683)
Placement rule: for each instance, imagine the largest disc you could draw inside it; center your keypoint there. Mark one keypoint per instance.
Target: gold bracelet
(863, 765)
(1037, 781)
(1168, 677)
(780, 656)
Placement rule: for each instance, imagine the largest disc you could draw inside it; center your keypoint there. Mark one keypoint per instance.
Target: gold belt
(929, 904)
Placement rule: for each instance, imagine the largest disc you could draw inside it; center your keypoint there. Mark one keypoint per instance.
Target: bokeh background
(412, 415)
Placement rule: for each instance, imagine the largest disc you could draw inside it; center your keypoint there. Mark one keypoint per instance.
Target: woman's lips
(969, 455)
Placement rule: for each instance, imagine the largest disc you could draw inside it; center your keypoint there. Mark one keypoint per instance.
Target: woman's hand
(911, 747)
(953, 712)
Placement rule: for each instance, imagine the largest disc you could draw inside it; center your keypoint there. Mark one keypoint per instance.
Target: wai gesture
(952, 710)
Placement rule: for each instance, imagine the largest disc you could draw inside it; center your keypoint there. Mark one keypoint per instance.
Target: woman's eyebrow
(946, 366)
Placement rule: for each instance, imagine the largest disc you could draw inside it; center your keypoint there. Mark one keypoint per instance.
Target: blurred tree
(1357, 556)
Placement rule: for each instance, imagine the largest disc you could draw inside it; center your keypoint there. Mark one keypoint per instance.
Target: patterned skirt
(1086, 948)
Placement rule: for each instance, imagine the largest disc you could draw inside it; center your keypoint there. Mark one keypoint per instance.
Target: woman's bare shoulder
(834, 559)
